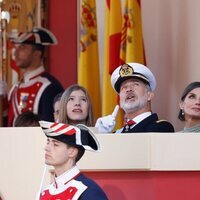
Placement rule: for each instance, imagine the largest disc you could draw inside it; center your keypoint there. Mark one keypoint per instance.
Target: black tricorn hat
(80, 135)
(37, 36)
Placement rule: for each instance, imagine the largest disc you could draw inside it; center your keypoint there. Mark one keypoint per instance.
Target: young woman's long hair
(63, 118)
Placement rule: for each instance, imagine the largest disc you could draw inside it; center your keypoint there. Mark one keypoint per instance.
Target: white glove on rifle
(107, 124)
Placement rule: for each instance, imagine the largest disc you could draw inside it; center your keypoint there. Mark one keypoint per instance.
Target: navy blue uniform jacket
(151, 124)
(93, 192)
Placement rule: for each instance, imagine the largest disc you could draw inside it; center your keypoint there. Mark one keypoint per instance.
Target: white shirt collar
(36, 72)
(67, 176)
(140, 117)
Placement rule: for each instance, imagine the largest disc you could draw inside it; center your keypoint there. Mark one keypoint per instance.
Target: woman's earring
(182, 112)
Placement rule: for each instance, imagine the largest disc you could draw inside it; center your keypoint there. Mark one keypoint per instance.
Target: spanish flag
(132, 47)
(111, 57)
(88, 69)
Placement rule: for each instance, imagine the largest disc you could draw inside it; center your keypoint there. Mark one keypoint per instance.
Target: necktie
(128, 125)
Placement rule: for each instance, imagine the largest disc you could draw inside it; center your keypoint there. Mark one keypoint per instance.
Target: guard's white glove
(2, 87)
(107, 124)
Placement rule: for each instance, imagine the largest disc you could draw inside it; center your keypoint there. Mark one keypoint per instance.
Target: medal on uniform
(127, 128)
(23, 100)
(128, 125)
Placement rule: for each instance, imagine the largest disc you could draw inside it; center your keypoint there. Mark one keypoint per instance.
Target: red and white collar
(67, 176)
(30, 75)
(64, 182)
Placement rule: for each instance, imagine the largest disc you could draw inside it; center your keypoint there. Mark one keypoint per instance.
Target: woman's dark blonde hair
(63, 118)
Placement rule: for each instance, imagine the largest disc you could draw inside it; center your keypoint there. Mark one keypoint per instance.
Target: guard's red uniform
(64, 187)
(73, 185)
(35, 93)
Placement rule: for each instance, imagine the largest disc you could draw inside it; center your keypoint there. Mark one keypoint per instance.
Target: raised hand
(107, 123)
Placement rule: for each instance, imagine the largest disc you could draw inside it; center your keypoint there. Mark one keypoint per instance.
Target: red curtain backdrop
(63, 57)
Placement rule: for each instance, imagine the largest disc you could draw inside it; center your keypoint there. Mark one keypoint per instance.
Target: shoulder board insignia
(162, 120)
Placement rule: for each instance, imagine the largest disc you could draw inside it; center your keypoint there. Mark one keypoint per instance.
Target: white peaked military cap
(132, 70)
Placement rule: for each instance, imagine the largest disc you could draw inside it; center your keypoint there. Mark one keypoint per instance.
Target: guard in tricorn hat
(135, 84)
(36, 91)
(38, 36)
(65, 146)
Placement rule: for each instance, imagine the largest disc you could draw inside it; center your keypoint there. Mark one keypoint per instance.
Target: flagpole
(4, 19)
(1, 52)
(41, 182)
(1, 66)
(39, 14)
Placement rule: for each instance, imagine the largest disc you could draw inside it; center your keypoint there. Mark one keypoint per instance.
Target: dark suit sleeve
(162, 126)
(93, 194)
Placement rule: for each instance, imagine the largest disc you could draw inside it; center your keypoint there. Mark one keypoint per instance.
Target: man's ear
(72, 152)
(37, 53)
(150, 95)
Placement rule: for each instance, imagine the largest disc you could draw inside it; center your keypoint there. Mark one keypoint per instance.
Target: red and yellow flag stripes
(132, 47)
(111, 56)
(88, 69)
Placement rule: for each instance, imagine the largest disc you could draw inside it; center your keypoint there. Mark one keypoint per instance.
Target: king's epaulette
(161, 120)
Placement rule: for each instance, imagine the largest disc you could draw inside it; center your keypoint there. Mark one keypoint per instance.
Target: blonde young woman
(76, 106)
(190, 108)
